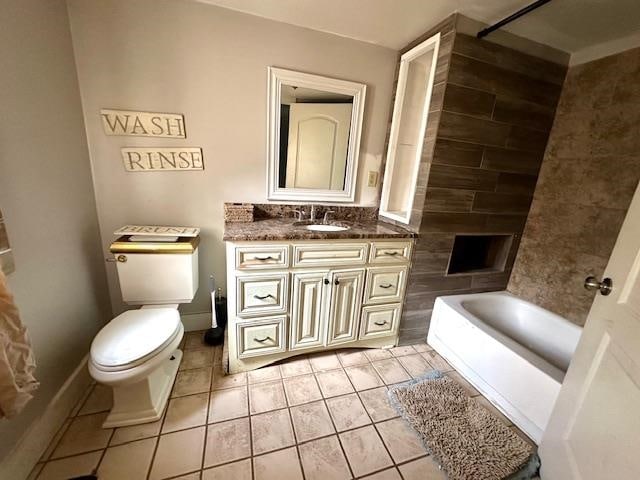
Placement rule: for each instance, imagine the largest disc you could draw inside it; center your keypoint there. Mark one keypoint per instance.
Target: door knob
(604, 287)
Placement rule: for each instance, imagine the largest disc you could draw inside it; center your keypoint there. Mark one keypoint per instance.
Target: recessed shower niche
(479, 253)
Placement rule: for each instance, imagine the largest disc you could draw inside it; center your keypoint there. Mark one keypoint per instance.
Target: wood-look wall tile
(462, 154)
(522, 138)
(508, 160)
(426, 300)
(453, 222)
(445, 28)
(497, 281)
(428, 262)
(435, 242)
(446, 176)
(487, 202)
(473, 73)
(516, 183)
(437, 97)
(523, 113)
(454, 126)
(431, 132)
(468, 101)
(448, 200)
(437, 283)
(497, 223)
(508, 58)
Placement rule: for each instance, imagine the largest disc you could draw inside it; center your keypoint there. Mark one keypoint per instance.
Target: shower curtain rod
(512, 17)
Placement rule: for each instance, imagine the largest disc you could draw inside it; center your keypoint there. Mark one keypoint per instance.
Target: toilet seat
(134, 337)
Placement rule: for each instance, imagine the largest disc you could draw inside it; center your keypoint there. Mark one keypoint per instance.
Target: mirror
(314, 136)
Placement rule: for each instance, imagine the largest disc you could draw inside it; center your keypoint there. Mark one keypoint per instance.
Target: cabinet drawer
(261, 294)
(385, 284)
(380, 320)
(262, 337)
(390, 252)
(316, 255)
(262, 257)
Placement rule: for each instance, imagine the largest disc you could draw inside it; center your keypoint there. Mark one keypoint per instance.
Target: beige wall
(211, 65)
(588, 177)
(47, 199)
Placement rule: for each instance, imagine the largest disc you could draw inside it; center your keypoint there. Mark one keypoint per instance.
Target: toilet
(137, 353)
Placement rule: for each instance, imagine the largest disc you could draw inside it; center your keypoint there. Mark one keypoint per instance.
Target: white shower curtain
(17, 363)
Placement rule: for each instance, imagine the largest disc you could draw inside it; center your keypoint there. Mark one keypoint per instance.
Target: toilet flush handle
(119, 258)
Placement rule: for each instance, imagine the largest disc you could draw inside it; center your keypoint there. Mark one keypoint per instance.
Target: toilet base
(144, 401)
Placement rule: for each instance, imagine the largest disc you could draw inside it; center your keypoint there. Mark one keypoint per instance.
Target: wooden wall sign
(157, 230)
(142, 124)
(142, 159)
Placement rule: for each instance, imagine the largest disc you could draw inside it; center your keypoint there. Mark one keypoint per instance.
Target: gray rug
(467, 440)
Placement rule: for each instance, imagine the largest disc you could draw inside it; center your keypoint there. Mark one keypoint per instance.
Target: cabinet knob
(326, 281)
(336, 281)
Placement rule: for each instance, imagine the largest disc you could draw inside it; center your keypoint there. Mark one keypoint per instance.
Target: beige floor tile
(422, 347)
(334, 383)
(264, 374)
(422, 469)
(347, 412)
(100, 400)
(391, 371)
(377, 404)
(189, 476)
(130, 461)
(323, 361)
(83, 435)
(193, 381)
(280, 465)
(202, 357)
(402, 351)
(364, 377)
(295, 366)
(311, 421)
(271, 431)
(220, 380)
(470, 389)
(301, 389)
(35, 471)
(85, 394)
(487, 404)
(403, 442)
(54, 441)
(194, 340)
(415, 365)
(232, 471)
(266, 396)
(436, 361)
(228, 404)
(351, 357)
(323, 460)
(227, 442)
(365, 451)
(374, 354)
(389, 474)
(186, 412)
(178, 453)
(136, 432)
(70, 467)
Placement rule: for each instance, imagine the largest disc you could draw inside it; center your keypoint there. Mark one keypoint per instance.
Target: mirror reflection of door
(314, 138)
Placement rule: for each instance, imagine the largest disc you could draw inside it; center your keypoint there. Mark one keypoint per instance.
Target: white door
(318, 141)
(346, 300)
(307, 309)
(594, 430)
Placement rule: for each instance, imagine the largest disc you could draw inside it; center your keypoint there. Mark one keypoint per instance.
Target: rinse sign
(140, 159)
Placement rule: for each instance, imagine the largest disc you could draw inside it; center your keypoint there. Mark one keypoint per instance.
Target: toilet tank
(156, 273)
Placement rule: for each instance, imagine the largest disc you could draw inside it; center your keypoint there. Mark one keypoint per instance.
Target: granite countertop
(284, 229)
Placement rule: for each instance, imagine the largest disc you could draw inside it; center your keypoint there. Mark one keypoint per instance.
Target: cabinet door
(346, 300)
(307, 310)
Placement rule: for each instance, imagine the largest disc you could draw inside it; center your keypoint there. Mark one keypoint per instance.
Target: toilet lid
(133, 335)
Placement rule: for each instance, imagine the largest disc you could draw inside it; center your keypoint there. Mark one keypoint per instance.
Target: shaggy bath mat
(467, 440)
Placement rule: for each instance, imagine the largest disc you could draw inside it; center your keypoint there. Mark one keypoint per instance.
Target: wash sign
(142, 124)
(140, 159)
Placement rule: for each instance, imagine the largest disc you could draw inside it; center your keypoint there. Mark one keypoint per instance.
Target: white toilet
(137, 352)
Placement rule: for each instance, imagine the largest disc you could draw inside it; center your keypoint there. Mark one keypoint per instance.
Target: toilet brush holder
(215, 335)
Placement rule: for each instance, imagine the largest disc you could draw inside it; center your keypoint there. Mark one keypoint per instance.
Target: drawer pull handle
(264, 259)
(386, 285)
(336, 281)
(380, 324)
(391, 254)
(263, 297)
(261, 340)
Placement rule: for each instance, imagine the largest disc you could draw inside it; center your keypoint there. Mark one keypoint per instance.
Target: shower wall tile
(589, 174)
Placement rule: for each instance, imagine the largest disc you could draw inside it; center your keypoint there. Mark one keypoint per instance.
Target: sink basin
(326, 228)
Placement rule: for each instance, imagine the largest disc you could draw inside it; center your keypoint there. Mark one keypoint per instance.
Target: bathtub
(514, 352)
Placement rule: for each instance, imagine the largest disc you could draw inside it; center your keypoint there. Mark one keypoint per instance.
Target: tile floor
(320, 416)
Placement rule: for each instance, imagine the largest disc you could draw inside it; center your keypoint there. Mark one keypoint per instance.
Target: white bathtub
(514, 352)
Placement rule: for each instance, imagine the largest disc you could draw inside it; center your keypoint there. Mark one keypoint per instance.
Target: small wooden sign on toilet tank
(142, 124)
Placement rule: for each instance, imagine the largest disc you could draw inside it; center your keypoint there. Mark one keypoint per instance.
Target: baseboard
(196, 321)
(27, 452)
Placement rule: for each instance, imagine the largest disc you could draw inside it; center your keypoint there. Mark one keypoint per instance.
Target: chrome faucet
(312, 215)
(325, 219)
(299, 214)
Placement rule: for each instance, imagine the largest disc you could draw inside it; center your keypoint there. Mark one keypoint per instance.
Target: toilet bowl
(137, 355)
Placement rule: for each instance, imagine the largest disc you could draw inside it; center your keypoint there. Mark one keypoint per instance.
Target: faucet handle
(326, 215)
(299, 214)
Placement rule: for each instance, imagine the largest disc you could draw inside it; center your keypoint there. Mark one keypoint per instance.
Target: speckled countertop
(284, 229)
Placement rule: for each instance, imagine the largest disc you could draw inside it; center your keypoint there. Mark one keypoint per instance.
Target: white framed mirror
(408, 126)
(314, 127)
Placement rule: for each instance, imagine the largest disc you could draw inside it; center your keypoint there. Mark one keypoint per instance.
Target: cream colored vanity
(291, 297)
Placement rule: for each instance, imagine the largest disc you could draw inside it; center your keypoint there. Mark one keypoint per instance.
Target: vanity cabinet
(287, 298)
